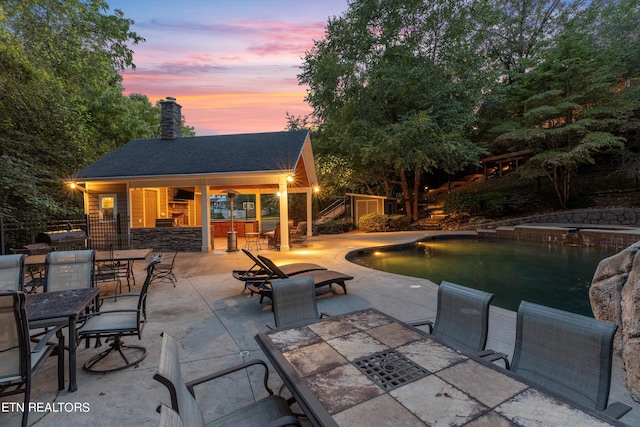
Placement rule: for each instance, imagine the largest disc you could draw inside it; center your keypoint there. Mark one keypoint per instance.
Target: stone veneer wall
(566, 235)
(616, 216)
(166, 238)
(611, 228)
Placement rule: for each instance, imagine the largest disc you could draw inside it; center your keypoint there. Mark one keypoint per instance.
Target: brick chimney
(171, 119)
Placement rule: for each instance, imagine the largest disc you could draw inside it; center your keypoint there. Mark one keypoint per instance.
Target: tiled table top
(416, 380)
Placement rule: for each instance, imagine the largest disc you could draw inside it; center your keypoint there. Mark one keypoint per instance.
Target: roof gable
(200, 155)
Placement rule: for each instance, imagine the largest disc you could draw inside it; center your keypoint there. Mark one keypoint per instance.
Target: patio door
(150, 207)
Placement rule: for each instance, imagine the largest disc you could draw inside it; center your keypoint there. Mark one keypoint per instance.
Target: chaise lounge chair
(320, 278)
(259, 274)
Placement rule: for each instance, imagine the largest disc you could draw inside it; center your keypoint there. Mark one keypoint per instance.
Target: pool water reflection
(553, 275)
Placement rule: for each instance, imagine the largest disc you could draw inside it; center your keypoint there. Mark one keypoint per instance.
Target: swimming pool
(553, 275)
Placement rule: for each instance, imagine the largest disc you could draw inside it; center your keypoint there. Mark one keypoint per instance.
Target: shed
(363, 204)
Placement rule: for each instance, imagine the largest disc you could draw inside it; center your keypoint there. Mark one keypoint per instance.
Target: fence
(102, 234)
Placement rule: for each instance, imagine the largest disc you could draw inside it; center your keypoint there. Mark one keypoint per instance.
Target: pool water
(552, 275)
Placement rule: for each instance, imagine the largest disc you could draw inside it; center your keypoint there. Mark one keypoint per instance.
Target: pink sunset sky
(231, 64)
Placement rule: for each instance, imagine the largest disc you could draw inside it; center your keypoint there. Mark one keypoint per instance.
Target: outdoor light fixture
(74, 186)
(289, 178)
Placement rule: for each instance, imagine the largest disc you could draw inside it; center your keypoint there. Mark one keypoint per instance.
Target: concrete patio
(215, 322)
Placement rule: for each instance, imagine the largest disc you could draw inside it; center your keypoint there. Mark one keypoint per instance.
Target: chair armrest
(86, 316)
(288, 420)
(491, 356)
(191, 384)
(423, 322)
(115, 297)
(616, 410)
(44, 341)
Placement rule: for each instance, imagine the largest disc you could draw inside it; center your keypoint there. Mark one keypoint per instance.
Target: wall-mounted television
(181, 194)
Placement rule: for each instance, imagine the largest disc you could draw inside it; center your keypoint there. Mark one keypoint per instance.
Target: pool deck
(215, 323)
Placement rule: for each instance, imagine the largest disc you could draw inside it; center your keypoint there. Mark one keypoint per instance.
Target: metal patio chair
(272, 410)
(65, 270)
(69, 270)
(462, 320)
(115, 323)
(18, 361)
(568, 354)
(110, 271)
(294, 302)
(12, 272)
(164, 269)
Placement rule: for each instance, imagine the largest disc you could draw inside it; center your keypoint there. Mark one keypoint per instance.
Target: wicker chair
(462, 320)
(272, 410)
(568, 354)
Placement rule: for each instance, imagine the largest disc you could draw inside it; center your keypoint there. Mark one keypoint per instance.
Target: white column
(284, 216)
(258, 210)
(309, 212)
(206, 219)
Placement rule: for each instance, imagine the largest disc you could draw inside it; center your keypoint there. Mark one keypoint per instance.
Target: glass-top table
(366, 368)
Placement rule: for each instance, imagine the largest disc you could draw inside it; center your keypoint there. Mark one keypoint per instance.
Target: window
(107, 206)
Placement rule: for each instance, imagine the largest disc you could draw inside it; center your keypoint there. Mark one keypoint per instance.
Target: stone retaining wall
(566, 235)
(166, 238)
(617, 216)
(610, 228)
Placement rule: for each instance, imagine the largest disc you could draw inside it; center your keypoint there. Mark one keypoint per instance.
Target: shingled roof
(199, 155)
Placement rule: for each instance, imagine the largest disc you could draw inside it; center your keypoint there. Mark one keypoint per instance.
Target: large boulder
(615, 297)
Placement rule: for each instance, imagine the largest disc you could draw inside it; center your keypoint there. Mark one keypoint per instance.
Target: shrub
(489, 204)
(335, 227)
(379, 222)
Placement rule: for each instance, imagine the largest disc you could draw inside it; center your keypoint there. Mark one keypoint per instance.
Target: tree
(61, 100)
(515, 34)
(393, 85)
(566, 105)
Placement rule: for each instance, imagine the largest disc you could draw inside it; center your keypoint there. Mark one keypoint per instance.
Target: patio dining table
(367, 368)
(59, 307)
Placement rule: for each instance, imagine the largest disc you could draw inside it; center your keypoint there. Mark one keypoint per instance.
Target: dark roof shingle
(258, 152)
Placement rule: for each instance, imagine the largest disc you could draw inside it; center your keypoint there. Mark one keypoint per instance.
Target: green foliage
(564, 106)
(335, 227)
(393, 92)
(489, 203)
(374, 222)
(62, 105)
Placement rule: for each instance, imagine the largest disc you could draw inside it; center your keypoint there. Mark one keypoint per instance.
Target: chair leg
(60, 351)
(118, 345)
(25, 413)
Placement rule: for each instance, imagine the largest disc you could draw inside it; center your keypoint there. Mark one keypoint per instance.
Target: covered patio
(178, 182)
